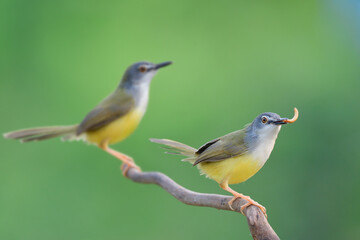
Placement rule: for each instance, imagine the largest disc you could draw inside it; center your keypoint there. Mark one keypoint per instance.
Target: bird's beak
(160, 65)
(286, 120)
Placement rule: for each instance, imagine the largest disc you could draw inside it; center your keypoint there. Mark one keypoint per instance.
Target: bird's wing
(113, 107)
(222, 148)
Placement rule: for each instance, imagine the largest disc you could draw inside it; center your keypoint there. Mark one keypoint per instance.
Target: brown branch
(259, 227)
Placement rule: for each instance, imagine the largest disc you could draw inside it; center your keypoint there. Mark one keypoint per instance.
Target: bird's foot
(128, 162)
(127, 165)
(249, 202)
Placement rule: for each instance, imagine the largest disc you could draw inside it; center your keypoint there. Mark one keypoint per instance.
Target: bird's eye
(142, 69)
(264, 119)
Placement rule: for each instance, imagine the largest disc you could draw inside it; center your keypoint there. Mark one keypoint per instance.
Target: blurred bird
(112, 120)
(237, 156)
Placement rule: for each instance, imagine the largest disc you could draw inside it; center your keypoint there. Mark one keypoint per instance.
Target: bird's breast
(234, 170)
(117, 130)
(263, 150)
(141, 96)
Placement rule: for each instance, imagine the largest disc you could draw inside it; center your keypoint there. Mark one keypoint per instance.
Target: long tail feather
(177, 148)
(42, 133)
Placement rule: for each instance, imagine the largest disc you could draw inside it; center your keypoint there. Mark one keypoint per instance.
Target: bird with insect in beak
(112, 120)
(237, 156)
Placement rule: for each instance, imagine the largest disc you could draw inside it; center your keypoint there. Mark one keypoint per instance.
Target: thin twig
(259, 227)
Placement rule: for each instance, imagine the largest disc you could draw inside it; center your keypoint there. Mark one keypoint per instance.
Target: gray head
(140, 73)
(267, 125)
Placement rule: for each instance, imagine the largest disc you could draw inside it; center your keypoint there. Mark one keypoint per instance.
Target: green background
(232, 61)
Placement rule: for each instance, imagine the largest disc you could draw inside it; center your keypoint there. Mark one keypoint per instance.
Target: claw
(237, 195)
(251, 202)
(127, 165)
(128, 162)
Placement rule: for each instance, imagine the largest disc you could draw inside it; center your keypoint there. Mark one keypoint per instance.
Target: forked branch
(259, 227)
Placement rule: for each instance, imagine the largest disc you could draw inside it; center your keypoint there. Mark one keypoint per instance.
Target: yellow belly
(117, 130)
(235, 170)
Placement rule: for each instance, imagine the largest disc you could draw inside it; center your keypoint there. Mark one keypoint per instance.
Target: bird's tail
(42, 133)
(177, 148)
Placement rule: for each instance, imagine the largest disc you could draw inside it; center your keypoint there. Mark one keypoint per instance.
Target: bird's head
(268, 124)
(141, 73)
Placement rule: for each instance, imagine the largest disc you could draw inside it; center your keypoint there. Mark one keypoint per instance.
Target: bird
(112, 120)
(235, 157)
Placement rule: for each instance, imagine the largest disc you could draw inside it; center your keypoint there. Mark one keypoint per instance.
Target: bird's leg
(128, 162)
(226, 187)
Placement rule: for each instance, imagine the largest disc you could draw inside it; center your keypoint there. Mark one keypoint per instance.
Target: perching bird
(237, 156)
(112, 120)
